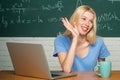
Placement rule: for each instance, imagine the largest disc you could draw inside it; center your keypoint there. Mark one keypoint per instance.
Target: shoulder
(99, 40)
(61, 38)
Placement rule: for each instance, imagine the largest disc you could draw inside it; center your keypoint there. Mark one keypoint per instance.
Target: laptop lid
(30, 60)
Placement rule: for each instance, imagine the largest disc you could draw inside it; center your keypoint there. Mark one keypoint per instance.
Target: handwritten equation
(26, 12)
(107, 18)
(19, 9)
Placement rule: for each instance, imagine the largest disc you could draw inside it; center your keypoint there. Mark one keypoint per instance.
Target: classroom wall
(113, 45)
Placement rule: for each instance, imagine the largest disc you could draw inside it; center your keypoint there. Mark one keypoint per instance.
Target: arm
(103, 51)
(66, 60)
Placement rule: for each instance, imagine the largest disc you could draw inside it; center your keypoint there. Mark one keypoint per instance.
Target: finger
(67, 20)
(67, 24)
(64, 22)
(76, 28)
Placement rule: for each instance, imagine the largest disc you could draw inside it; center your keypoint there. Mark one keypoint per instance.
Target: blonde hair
(91, 36)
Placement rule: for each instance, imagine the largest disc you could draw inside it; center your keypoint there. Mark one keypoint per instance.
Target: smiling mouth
(85, 29)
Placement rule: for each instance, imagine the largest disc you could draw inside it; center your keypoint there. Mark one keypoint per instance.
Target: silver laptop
(30, 60)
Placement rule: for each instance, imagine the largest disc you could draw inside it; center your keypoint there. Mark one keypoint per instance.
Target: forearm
(69, 59)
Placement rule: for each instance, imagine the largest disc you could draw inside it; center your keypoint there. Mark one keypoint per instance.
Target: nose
(87, 23)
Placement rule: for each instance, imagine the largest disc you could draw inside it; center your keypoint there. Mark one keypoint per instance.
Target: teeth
(85, 28)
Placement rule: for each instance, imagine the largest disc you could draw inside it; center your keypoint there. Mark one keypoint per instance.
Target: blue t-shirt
(98, 50)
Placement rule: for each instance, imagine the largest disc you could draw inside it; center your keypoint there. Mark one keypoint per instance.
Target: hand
(71, 28)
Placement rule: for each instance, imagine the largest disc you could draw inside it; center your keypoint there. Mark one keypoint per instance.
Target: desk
(10, 75)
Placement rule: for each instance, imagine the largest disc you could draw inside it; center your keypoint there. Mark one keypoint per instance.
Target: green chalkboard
(42, 18)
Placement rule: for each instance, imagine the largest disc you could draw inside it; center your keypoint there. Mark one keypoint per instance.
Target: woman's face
(85, 23)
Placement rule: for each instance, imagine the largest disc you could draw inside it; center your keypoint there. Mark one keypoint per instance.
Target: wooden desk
(10, 75)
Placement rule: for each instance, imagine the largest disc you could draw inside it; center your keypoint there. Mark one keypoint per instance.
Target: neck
(82, 40)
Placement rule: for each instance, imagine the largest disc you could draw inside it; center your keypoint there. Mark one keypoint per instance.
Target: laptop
(29, 60)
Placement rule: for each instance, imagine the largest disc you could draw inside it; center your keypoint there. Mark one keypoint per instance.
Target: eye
(91, 21)
(83, 18)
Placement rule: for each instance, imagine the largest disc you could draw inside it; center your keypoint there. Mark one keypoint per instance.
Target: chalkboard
(42, 18)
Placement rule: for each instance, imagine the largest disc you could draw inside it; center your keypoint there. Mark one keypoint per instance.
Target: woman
(78, 49)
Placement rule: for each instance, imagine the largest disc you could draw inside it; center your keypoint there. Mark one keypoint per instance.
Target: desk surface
(10, 75)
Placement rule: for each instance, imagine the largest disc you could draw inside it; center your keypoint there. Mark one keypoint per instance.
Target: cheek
(79, 27)
(79, 24)
(91, 25)
(91, 28)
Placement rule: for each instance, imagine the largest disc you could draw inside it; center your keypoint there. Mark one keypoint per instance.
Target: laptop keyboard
(54, 75)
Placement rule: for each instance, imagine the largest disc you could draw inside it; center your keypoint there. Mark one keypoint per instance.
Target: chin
(83, 33)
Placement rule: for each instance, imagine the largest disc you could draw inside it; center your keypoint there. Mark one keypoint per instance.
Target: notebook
(30, 60)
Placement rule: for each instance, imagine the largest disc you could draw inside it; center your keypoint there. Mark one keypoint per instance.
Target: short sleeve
(103, 50)
(59, 45)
